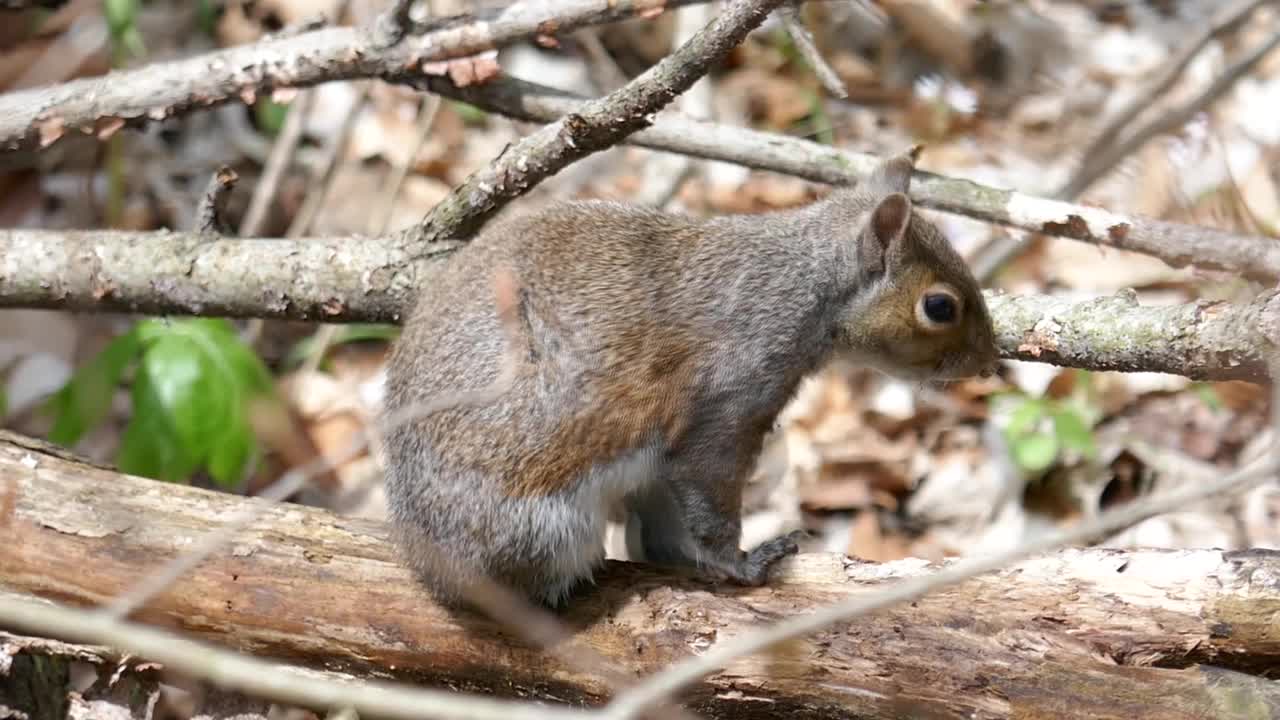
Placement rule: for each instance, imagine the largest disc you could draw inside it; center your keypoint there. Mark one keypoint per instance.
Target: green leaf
(84, 401)
(470, 114)
(237, 360)
(121, 15)
(230, 455)
(200, 377)
(4, 404)
(1073, 433)
(356, 332)
(270, 115)
(819, 121)
(783, 43)
(1025, 417)
(207, 17)
(1035, 452)
(151, 446)
(1209, 396)
(131, 40)
(186, 381)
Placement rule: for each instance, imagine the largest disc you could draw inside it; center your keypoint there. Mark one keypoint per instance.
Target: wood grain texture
(1078, 634)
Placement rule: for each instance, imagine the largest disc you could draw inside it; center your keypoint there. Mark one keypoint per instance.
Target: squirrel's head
(918, 313)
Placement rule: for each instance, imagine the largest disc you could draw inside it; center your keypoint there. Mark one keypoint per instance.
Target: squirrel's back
(516, 488)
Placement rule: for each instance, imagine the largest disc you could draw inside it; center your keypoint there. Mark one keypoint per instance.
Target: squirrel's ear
(884, 230)
(893, 175)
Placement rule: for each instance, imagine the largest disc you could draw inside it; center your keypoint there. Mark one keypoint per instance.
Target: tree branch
(211, 213)
(40, 116)
(374, 279)
(596, 125)
(1177, 244)
(1203, 340)
(808, 49)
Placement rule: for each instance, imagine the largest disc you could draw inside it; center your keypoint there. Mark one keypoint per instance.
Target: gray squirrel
(654, 353)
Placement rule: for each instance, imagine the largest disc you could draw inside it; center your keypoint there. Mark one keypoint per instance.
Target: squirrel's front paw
(754, 566)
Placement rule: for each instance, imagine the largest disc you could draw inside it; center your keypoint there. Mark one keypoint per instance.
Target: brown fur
(655, 352)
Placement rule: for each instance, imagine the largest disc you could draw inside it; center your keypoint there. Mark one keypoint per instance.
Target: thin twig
(1169, 120)
(664, 173)
(808, 50)
(597, 125)
(211, 212)
(264, 193)
(668, 682)
(604, 69)
(1228, 19)
(400, 171)
(322, 180)
(381, 220)
(264, 679)
(273, 173)
(1106, 152)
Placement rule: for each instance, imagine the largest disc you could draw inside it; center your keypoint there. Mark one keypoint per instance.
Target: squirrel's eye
(940, 308)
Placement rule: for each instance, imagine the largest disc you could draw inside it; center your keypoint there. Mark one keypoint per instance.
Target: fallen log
(1084, 633)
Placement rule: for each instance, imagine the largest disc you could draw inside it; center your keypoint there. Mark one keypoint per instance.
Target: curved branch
(596, 125)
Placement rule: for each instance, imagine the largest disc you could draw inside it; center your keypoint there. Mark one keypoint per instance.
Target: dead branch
(1178, 244)
(808, 49)
(597, 125)
(1070, 631)
(374, 279)
(101, 105)
(211, 215)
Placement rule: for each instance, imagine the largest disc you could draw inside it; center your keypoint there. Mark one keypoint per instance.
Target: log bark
(1084, 633)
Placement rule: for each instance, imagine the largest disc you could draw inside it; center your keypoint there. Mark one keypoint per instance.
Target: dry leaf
(50, 130)
(105, 127)
(471, 70)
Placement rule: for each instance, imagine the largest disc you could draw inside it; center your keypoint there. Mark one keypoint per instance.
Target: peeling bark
(1174, 635)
